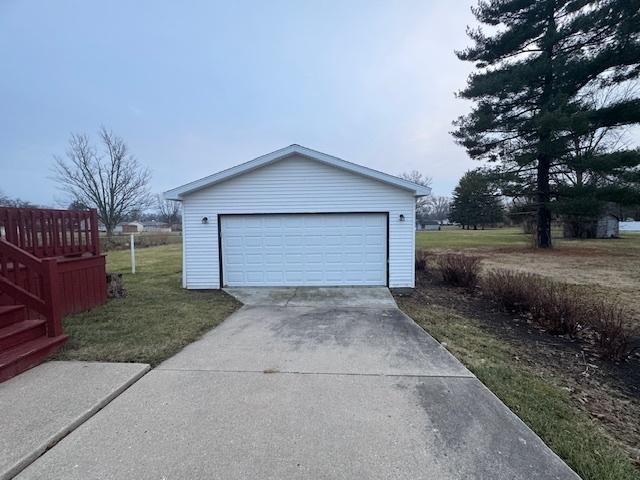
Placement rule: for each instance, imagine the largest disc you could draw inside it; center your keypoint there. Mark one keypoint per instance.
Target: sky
(195, 87)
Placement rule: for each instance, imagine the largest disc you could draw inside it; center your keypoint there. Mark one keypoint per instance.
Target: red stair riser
(12, 316)
(31, 359)
(31, 333)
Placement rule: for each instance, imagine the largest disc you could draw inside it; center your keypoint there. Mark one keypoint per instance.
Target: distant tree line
(7, 201)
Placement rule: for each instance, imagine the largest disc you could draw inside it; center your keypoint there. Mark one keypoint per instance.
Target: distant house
(156, 227)
(129, 227)
(427, 225)
(606, 225)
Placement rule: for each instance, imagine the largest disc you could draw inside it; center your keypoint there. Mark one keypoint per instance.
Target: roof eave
(172, 195)
(423, 192)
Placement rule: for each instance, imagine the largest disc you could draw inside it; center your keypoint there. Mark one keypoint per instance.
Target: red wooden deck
(50, 266)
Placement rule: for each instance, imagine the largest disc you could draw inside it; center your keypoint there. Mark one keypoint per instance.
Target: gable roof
(180, 192)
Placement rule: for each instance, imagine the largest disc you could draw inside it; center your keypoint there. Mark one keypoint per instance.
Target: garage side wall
(294, 185)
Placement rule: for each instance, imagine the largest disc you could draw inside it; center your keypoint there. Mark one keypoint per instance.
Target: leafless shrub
(557, 307)
(421, 261)
(512, 290)
(459, 270)
(607, 321)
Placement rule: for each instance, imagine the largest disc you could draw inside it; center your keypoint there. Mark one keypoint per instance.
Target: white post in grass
(133, 254)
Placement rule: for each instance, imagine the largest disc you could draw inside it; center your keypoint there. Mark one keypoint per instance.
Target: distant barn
(606, 225)
(129, 227)
(427, 225)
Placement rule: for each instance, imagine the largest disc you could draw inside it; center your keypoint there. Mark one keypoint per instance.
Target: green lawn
(457, 239)
(156, 319)
(454, 237)
(539, 402)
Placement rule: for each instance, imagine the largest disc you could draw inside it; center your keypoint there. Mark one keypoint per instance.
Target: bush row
(556, 306)
(551, 304)
(561, 310)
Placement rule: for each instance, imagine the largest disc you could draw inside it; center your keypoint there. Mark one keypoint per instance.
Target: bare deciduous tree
(423, 204)
(416, 177)
(440, 208)
(113, 181)
(168, 210)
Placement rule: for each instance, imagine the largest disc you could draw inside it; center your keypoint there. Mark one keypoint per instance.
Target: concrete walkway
(311, 384)
(42, 405)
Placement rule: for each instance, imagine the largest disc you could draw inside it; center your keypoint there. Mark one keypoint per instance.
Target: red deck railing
(50, 261)
(33, 282)
(51, 233)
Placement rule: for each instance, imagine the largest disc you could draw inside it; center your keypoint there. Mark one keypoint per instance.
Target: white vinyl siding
(300, 249)
(294, 185)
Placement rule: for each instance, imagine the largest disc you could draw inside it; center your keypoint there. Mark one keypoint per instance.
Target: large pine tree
(534, 71)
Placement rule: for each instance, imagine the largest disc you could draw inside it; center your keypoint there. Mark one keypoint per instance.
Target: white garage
(297, 217)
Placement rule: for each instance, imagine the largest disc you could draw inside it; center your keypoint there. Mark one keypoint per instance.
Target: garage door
(304, 249)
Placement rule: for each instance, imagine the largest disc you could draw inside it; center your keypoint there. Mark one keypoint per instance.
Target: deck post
(95, 235)
(52, 296)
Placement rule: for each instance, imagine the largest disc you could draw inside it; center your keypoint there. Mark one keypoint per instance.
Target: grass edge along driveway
(540, 403)
(155, 320)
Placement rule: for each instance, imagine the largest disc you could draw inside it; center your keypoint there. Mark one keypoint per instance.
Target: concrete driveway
(306, 383)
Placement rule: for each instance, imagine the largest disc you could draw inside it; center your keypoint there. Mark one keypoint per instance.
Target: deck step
(21, 332)
(28, 355)
(10, 314)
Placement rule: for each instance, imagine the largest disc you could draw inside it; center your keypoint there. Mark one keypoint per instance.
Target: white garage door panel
(304, 249)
